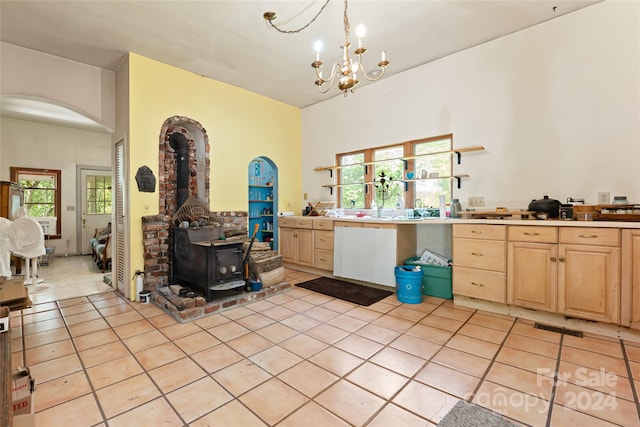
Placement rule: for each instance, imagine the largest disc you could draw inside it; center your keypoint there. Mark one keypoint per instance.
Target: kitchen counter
(543, 223)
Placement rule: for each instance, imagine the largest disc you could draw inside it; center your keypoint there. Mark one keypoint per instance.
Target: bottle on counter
(455, 208)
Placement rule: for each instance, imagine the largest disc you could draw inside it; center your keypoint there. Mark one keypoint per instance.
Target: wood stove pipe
(180, 144)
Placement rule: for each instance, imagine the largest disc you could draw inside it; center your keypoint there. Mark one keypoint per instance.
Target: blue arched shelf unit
(263, 200)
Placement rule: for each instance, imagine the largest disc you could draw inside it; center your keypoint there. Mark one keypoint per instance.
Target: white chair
(26, 240)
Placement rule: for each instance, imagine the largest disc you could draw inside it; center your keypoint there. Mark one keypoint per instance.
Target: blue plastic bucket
(408, 284)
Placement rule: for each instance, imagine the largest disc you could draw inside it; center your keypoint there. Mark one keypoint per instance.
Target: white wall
(556, 106)
(37, 145)
(83, 88)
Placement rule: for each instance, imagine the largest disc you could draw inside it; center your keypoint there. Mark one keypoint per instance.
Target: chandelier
(347, 71)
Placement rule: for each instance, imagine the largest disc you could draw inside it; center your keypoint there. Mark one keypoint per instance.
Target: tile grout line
(554, 387)
(630, 377)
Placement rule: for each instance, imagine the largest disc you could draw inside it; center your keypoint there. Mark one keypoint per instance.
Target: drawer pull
(477, 284)
(531, 234)
(588, 236)
(323, 240)
(477, 231)
(477, 253)
(323, 260)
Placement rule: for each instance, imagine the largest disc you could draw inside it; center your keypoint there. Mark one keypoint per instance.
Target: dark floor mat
(465, 414)
(357, 294)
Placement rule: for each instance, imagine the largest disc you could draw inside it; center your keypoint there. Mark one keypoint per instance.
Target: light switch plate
(475, 202)
(604, 198)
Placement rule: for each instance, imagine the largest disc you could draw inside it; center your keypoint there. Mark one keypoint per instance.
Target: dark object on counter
(455, 208)
(566, 211)
(550, 207)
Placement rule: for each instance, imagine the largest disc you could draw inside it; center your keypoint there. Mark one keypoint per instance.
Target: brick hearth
(157, 229)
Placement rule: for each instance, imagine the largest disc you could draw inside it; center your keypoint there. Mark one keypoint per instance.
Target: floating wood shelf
(405, 181)
(458, 152)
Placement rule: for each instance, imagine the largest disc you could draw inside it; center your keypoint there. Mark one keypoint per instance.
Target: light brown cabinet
(323, 244)
(296, 240)
(589, 273)
(11, 199)
(479, 261)
(569, 270)
(630, 307)
(307, 241)
(532, 267)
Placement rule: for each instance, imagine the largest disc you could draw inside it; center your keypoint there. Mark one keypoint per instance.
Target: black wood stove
(203, 261)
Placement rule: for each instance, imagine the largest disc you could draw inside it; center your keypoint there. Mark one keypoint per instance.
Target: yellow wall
(241, 125)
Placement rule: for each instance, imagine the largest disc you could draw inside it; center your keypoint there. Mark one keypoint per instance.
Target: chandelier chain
(347, 26)
(304, 26)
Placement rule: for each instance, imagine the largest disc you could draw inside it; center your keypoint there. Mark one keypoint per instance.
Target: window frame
(15, 173)
(409, 157)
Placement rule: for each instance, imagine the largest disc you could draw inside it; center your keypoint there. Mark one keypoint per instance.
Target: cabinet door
(531, 275)
(304, 240)
(630, 287)
(287, 244)
(589, 282)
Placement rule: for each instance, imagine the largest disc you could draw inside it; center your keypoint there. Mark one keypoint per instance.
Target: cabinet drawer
(303, 222)
(286, 222)
(481, 284)
(323, 239)
(480, 231)
(347, 224)
(379, 225)
(323, 224)
(323, 259)
(590, 236)
(532, 233)
(485, 254)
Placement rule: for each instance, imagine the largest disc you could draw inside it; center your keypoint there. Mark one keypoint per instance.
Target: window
(41, 192)
(352, 180)
(429, 158)
(98, 194)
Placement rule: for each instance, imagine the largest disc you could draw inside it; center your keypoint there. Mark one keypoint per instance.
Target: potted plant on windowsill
(384, 190)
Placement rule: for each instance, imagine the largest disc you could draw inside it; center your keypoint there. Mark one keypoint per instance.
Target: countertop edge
(531, 222)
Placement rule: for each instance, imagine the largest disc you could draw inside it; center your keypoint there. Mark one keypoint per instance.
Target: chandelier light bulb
(360, 32)
(317, 46)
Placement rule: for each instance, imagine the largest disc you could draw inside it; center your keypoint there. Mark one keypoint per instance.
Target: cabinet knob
(561, 259)
(553, 259)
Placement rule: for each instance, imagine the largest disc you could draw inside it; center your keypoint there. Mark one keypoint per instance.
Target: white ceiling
(230, 41)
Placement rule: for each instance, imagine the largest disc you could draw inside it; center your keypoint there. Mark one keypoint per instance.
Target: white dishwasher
(365, 253)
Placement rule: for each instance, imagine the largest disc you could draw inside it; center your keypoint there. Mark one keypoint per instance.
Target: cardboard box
(4, 319)
(13, 293)
(22, 388)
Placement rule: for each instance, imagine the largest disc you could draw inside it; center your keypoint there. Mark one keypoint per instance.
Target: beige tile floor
(305, 359)
(68, 277)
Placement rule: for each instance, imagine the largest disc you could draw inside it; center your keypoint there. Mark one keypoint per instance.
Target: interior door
(96, 185)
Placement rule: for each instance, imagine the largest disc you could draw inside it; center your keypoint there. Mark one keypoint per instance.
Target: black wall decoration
(145, 179)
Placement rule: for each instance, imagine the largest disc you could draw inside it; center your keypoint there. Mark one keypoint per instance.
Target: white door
(96, 193)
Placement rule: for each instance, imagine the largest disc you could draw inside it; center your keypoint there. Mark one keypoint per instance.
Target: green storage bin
(436, 279)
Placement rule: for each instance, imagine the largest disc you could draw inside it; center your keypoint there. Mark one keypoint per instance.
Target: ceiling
(229, 41)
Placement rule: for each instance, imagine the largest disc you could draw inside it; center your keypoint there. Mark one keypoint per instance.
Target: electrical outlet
(604, 198)
(475, 202)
